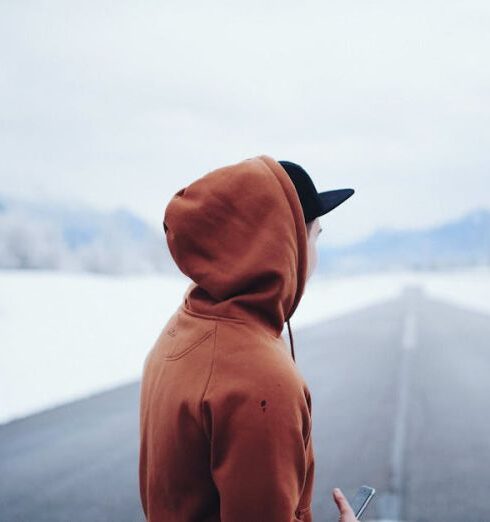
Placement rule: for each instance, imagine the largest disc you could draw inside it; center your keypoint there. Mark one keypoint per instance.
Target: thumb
(342, 502)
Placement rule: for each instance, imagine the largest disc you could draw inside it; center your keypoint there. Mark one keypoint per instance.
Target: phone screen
(361, 500)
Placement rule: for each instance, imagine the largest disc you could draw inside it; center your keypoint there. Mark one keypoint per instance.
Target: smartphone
(361, 500)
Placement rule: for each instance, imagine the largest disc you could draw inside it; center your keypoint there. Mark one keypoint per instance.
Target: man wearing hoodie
(225, 415)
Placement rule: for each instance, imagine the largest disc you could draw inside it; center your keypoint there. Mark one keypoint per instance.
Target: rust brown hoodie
(225, 415)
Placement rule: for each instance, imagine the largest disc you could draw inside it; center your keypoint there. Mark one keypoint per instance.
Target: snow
(65, 335)
(327, 298)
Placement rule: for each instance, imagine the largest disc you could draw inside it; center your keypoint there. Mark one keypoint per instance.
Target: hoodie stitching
(174, 356)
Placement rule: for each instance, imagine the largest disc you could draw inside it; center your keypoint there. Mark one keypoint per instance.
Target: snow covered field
(64, 336)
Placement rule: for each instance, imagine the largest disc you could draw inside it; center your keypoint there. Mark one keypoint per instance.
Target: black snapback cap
(314, 203)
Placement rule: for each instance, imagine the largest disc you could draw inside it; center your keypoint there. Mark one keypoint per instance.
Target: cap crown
(308, 195)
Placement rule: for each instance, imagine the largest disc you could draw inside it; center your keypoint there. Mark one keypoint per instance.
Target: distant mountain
(76, 237)
(459, 243)
(61, 236)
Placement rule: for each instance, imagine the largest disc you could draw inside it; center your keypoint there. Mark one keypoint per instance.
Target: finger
(341, 501)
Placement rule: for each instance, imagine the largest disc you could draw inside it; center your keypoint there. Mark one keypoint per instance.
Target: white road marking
(389, 502)
(409, 338)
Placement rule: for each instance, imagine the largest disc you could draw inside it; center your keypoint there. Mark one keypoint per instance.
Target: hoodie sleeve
(261, 451)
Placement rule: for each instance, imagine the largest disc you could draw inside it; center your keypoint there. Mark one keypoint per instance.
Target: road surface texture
(401, 402)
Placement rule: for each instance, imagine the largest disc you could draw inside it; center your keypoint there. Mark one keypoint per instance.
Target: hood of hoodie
(239, 234)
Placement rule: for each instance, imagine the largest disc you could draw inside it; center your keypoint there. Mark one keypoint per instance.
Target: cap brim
(333, 198)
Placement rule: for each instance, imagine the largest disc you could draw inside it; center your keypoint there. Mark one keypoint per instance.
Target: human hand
(346, 513)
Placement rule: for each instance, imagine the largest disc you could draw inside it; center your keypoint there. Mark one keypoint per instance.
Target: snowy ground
(64, 336)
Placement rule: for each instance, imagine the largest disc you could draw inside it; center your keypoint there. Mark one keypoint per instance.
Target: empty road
(401, 402)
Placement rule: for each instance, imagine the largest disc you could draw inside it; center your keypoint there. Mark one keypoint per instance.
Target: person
(225, 414)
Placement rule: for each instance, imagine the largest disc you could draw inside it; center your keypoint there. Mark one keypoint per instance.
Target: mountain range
(75, 237)
(460, 242)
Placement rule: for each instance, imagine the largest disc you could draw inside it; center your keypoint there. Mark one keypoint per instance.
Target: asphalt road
(401, 402)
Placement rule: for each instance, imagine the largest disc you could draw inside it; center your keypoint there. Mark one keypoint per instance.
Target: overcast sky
(123, 103)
